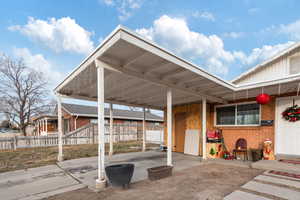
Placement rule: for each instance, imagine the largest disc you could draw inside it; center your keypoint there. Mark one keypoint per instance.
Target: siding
(274, 70)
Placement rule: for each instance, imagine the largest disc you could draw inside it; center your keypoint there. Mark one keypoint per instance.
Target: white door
(191, 142)
(287, 133)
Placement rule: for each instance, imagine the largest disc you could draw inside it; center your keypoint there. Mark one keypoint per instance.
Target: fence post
(93, 133)
(15, 142)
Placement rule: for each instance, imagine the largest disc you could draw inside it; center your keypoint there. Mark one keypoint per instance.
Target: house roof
(266, 62)
(91, 111)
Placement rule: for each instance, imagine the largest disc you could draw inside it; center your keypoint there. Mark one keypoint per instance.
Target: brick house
(76, 116)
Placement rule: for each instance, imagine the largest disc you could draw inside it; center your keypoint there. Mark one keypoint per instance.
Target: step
(281, 181)
(272, 190)
(240, 195)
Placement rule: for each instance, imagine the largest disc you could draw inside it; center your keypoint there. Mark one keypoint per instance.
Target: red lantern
(263, 98)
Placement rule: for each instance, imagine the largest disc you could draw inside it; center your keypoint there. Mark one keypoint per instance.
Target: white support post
(111, 130)
(38, 127)
(60, 132)
(169, 126)
(204, 128)
(46, 120)
(42, 125)
(144, 130)
(100, 182)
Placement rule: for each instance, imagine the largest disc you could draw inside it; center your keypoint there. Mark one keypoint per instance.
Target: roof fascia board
(288, 79)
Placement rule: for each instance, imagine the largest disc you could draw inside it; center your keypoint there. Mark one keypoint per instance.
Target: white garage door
(287, 133)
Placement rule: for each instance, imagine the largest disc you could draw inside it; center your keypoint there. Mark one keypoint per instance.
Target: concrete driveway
(85, 169)
(36, 183)
(42, 182)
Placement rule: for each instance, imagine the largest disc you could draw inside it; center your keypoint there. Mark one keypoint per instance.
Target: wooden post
(100, 182)
(144, 130)
(204, 128)
(60, 142)
(169, 126)
(111, 130)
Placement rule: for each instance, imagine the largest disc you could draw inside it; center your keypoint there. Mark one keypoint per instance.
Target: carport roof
(138, 73)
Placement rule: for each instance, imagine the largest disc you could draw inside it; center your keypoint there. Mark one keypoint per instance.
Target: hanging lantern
(263, 98)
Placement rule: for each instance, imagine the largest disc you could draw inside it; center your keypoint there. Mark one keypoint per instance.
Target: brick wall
(255, 135)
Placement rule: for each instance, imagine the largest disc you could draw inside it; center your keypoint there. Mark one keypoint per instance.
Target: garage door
(287, 133)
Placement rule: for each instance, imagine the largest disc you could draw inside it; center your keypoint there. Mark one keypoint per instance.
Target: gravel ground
(207, 182)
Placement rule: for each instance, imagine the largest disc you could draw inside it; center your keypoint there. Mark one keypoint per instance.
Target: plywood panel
(193, 120)
(180, 127)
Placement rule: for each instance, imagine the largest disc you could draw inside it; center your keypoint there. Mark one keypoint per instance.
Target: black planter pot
(120, 175)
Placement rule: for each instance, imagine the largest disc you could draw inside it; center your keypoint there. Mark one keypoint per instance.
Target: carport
(127, 69)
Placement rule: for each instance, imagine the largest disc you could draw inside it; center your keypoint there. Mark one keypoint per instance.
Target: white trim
(118, 117)
(236, 125)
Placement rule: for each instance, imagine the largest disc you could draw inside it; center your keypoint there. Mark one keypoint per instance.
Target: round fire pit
(120, 175)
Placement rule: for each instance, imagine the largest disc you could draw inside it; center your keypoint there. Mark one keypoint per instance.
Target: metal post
(169, 126)
(144, 130)
(204, 128)
(100, 182)
(111, 130)
(60, 132)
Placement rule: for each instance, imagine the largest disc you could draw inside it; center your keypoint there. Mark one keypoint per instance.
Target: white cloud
(174, 34)
(206, 50)
(204, 15)
(62, 34)
(292, 30)
(233, 35)
(253, 11)
(124, 7)
(39, 63)
(258, 55)
(108, 2)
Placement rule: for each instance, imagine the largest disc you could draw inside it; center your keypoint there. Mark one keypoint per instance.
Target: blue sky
(225, 37)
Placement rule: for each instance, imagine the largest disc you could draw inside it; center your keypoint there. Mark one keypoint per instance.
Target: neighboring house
(147, 75)
(76, 116)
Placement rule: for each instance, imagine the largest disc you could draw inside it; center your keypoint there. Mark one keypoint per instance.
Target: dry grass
(35, 157)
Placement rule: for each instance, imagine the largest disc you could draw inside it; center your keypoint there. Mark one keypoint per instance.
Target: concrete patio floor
(85, 169)
(42, 182)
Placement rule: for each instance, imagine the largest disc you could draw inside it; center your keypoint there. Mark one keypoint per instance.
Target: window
(226, 115)
(239, 114)
(295, 65)
(248, 114)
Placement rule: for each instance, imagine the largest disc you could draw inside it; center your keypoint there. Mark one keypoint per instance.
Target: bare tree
(23, 91)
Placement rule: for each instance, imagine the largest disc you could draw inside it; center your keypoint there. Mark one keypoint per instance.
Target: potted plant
(120, 175)
(159, 172)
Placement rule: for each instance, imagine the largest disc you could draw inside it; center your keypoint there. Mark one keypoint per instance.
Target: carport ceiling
(138, 73)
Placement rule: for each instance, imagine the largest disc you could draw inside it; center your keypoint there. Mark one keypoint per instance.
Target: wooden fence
(85, 135)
